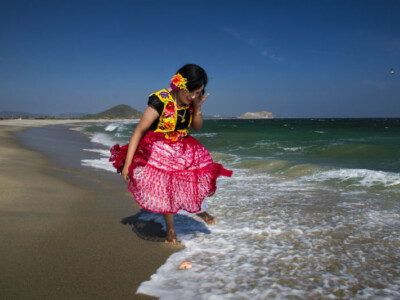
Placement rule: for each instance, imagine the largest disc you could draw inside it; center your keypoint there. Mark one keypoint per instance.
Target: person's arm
(149, 116)
(197, 121)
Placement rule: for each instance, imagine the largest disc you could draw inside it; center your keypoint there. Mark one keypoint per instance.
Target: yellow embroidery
(169, 116)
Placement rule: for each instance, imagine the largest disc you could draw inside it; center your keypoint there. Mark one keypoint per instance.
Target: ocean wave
(112, 126)
(225, 158)
(312, 173)
(103, 138)
(282, 147)
(77, 128)
(272, 239)
(356, 177)
(205, 134)
(102, 162)
(285, 229)
(263, 166)
(120, 126)
(294, 149)
(102, 152)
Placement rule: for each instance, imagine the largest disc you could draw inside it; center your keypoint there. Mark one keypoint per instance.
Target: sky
(296, 59)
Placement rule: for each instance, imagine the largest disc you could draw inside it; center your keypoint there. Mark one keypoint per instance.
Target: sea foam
(268, 243)
(99, 163)
(284, 230)
(357, 177)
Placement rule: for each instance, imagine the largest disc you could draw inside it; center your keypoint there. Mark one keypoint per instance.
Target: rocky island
(263, 114)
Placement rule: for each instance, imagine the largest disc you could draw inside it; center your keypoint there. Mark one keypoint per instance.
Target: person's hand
(125, 175)
(200, 100)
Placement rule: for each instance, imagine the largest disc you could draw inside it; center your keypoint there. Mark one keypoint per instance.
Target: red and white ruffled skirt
(166, 177)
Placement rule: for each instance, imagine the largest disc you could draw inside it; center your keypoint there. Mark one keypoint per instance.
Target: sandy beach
(63, 231)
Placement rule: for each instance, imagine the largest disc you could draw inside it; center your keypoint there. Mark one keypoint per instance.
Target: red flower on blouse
(168, 114)
(170, 107)
(168, 125)
(175, 136)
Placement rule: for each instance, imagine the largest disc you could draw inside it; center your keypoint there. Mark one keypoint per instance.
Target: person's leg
(169, 222)
(209, 219)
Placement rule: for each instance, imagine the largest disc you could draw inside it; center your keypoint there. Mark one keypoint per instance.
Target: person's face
(188, 97)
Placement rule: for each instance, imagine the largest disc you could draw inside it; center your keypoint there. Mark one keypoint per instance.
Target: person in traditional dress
(166, 169)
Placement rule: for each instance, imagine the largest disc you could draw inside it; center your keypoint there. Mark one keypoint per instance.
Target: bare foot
(171, 238)
(209, 219)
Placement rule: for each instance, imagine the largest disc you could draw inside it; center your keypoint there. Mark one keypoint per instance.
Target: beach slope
(63, 240)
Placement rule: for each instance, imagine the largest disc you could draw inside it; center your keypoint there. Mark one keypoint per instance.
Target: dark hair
(195, 75)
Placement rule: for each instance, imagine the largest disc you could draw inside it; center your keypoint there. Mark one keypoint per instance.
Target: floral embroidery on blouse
(169, 117)
(164, 95)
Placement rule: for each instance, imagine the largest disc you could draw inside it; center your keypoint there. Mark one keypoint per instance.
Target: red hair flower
(178, 82)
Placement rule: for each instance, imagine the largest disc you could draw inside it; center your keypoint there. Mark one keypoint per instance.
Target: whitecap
(293, 149)
(112, 127)
(103, 138)
(100, 163)
(205, 134)
(357, 177)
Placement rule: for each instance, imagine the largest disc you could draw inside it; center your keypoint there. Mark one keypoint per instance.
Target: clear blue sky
(293, 58)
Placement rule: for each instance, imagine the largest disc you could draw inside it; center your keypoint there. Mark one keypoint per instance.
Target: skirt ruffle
(168, 176)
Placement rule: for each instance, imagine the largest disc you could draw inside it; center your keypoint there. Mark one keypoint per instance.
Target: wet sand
(62, 231)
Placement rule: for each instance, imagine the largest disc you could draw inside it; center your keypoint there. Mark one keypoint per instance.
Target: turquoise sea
(311, 211)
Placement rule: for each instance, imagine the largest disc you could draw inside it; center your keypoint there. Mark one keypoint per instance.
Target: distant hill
(117, 112)
(18, 114)
(263, 114)
(70, 115)
(121, 111)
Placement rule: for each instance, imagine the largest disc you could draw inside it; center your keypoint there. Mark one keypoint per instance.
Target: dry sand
(61, 239)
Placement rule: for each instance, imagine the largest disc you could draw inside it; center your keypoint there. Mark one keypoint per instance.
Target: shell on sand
(185, 265)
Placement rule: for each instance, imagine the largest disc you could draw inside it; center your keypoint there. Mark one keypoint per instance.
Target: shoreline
(62, 230)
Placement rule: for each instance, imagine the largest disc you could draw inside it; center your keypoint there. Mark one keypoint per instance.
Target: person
(166, 169)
